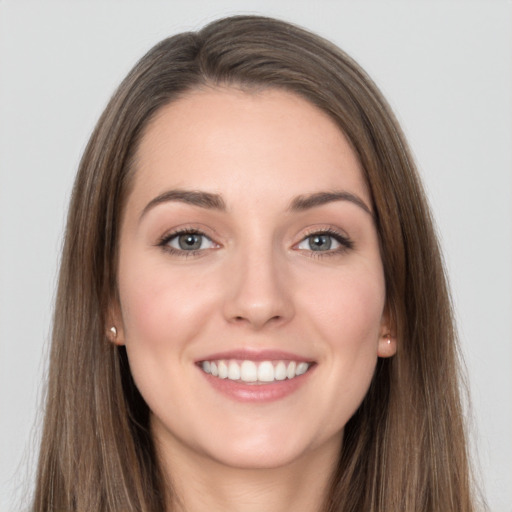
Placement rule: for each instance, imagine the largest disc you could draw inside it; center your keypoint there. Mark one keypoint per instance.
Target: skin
(255, 284)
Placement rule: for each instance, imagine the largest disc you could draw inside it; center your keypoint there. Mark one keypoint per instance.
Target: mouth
(255, 372)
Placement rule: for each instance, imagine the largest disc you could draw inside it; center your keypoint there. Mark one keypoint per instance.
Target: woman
(252, 312)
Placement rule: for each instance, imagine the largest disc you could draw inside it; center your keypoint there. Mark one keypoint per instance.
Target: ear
(387, 338)
(114, 329)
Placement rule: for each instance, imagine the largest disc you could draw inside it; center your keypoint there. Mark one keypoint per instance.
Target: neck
(199, 483)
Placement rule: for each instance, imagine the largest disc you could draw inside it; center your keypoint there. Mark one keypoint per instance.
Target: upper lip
(256, 355)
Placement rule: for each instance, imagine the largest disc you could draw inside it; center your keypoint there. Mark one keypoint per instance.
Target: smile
(261, 372)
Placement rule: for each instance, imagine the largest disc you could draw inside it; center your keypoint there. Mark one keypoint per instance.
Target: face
(251, 286)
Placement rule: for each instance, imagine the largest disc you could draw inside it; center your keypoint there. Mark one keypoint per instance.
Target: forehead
(235, 143)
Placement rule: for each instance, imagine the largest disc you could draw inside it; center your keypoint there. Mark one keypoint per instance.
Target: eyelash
(164, 242)
(346, 243)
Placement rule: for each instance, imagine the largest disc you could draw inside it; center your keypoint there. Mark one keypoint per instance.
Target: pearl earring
(112, 333)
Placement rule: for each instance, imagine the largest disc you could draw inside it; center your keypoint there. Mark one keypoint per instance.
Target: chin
(270, 449)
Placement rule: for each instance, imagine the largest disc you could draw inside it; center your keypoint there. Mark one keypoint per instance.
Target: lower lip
(258, 393)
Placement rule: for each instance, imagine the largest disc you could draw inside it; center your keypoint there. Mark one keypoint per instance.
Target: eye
(187, 241)
(319, 242)
(325, 241)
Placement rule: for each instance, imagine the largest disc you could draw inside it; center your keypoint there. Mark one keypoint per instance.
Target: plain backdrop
(446, 68)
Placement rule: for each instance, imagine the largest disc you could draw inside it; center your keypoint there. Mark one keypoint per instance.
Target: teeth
(234, 371)
(223, 369)
(301, 368)
(266, 371)
(280, 371)
(248, 371)
(252, 372)
(290, 371)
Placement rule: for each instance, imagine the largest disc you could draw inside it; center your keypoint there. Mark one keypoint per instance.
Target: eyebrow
(216, 202)
(305, 202)
(194, 197)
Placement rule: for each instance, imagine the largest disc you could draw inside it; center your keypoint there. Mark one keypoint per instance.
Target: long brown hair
(404, 449)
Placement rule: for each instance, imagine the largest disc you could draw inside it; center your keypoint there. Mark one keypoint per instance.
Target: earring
(112, 333)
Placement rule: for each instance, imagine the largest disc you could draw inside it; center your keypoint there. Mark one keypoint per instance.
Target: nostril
(241, 318)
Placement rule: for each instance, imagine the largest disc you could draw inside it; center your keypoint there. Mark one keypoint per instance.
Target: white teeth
(233, 371)
(266, 371)
(280, 371)
(223, 369)
(290, 372)
(301, 368)
(255, 372)
(248, 371)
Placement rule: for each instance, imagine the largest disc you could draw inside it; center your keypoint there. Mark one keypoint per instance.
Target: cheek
(349, 306)
(161, 307)
(164, 311)
(347, 318)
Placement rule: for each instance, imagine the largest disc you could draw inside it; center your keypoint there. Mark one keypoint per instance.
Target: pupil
(190, 241)
(320, 242)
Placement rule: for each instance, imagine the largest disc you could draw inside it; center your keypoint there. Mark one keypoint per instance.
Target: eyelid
(177, 236)
(331, 249)
(193, 227)
(344, 241)
(164, 240)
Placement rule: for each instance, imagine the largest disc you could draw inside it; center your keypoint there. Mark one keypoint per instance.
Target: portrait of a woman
(252, 309)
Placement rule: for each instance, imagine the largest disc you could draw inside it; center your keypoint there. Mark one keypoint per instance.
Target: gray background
(446, 68)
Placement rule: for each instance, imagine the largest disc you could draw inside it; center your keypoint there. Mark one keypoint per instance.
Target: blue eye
(188, 241)
(325, 242)
(319, 242)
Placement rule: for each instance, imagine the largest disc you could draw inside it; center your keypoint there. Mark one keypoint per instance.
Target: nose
(258, 290)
